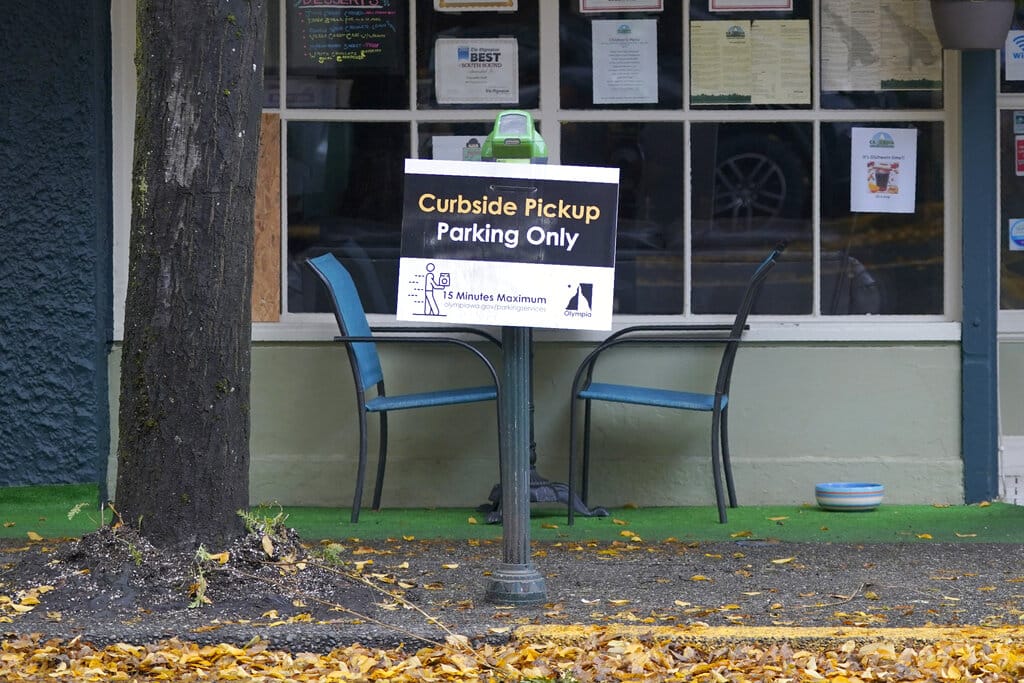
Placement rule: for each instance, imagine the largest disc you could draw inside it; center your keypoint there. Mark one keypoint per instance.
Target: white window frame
(808, 328)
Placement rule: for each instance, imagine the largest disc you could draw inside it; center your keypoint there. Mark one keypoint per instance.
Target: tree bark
(183, 451)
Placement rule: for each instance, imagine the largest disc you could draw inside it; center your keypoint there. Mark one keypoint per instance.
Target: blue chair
(585, 389)
(360, 342)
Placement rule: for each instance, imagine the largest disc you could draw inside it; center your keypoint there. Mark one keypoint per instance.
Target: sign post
(521, 246)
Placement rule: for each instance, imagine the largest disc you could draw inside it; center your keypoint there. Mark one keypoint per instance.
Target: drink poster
(355, 36)
(883, 170)
(523, 245)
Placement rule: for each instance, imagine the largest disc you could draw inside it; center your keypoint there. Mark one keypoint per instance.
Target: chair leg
(357, 498)
(716, 464)
(572, 460)
(381, 460)
(726, 462)
(585, 488)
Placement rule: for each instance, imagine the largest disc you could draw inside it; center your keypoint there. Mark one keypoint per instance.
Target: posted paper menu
(879, 45)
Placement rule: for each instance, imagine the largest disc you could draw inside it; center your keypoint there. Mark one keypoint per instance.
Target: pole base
(516, 584)
(541, 491)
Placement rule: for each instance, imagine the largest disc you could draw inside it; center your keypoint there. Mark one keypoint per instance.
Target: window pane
(344, 189)
(649, 249)
(1011, 226)
(576, 53)
(519, 26)
(750, 60)
(271, 57)
(347, 57)
(751, 188)
(879, 55)
(453, 140)
(1015, 82)
(884, 263)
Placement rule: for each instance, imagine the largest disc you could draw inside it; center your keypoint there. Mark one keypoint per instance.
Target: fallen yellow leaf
(221, 558)
(925, 537)
(783, 560)
(699, 577)
(959, 535)
(548, 525)
(268, 545)
(620, 522)
(742, 534)
(33, 536)
(777, 519)
(471, 520)
(453, 565)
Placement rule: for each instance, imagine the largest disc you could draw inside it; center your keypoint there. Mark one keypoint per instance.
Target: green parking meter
(514, 139)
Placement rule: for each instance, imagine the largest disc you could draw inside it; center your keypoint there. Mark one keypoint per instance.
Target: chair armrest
(586, 368)
(447, 329)
(426, 340)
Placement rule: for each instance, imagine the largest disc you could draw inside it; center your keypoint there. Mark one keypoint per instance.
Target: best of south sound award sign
(519, 245)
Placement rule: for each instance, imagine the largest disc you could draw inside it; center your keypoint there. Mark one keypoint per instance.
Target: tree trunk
(183, 451)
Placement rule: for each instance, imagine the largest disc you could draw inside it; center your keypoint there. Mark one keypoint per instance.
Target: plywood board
(266, 280)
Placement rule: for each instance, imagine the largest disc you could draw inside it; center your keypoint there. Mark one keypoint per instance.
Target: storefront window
(720, 117)
(751, 185)
(1011, 222)
(650, 263)
(344, 181)
(882, 262)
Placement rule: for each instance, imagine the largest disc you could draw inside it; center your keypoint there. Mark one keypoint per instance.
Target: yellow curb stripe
(805, 636)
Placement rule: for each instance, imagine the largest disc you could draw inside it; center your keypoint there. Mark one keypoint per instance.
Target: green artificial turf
(45, 510)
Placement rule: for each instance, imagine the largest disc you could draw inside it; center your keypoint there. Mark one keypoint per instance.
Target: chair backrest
(746, 305)
(348, 311)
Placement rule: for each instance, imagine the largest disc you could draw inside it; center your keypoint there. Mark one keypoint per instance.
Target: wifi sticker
(1013, 53)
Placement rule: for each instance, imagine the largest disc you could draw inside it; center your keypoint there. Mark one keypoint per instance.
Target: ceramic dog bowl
(848, 495)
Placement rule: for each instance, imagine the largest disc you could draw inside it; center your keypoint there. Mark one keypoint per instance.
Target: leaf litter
(111, 603)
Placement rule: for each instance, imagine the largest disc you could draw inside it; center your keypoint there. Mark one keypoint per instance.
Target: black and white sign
(508, 244)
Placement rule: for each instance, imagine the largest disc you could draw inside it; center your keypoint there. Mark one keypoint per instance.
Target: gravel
(115, 587)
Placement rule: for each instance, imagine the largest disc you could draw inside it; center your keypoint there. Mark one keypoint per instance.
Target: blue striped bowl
(848, 496)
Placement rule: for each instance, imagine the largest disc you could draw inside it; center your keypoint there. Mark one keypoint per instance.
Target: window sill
(320, 328)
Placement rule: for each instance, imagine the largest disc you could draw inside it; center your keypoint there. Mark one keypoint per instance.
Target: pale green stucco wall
(1011, 388)
(800, 414)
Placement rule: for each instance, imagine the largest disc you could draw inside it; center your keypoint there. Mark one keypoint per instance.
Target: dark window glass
(471, 135)
(521, 25)
(343, 57)
(881, 263)
(1011, 217)
(271, 57)
(751, 188)
(649, 256)
(741, 24)
(576, 55)
(344, 196)
(854, 46)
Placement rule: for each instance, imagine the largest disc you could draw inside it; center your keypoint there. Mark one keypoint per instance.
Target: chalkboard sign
(338, 37)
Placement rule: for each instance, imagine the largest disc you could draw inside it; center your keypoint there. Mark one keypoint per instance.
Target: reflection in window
(344, 189)
(649, 260)
(751, 188)
(881, 263)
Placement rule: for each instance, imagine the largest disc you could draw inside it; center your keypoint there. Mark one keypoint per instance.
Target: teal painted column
(980, 403)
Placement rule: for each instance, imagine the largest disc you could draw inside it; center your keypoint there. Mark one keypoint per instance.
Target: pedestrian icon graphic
(432, 282)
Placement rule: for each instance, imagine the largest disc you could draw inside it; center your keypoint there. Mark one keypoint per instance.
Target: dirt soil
(113, 586)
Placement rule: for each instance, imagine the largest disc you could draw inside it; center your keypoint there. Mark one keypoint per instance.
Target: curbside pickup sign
(521, 245)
